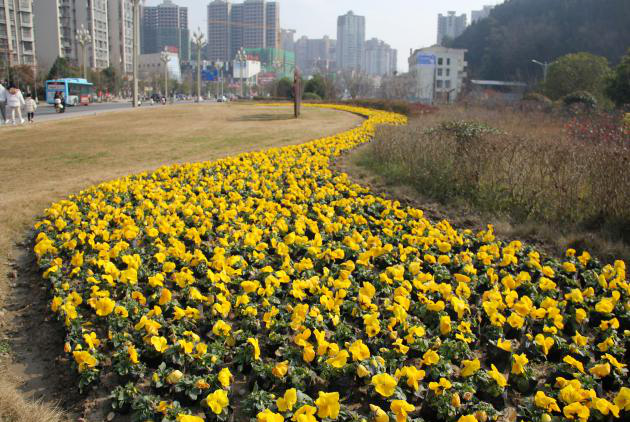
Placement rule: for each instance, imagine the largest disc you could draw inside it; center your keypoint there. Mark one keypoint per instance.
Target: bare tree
(358, 84)
(397, 86)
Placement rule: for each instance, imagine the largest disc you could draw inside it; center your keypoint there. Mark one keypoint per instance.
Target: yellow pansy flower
(430, 357)
(470, 367)
(339, 360)
(218, 401)
(384, 384)
(225, 377)
(269, 416)
(518, 364)
(543, 401)
(327, 405)
(182, 417)
(497, 376)
(379, 414)
(254, 343)
(286, 402)
(359, 351)
(280, 370)
(401, 408)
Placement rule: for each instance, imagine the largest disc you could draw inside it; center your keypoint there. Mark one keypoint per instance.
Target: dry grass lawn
(47, 162)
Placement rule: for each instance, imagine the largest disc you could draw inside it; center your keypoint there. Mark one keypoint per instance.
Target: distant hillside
(502, 46)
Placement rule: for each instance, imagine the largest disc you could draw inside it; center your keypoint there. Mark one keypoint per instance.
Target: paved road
(46, 112)
(47, 109)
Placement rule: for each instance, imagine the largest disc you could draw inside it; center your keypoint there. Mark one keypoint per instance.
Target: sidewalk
(46, 112)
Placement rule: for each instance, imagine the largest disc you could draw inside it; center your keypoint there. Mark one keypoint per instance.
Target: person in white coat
(3, 103)
(15, 102)
(30, 108)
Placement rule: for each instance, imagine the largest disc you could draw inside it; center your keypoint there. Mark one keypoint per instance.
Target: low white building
(245, 69)
(150, 65)
(439, 73)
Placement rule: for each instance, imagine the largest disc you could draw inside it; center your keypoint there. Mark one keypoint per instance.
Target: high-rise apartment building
(166, 25)
(56, 23)
(315, 55)
(272, 25)
(380, 58)
(251, 24)
(287, 40)
(219, 30)
(235, 30)
(350, 41)
(450, 26)
(17, 45)
(476, 15)
(120, 16)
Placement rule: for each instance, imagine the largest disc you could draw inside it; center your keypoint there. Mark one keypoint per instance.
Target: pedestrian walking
(30, 107)
(15, 102)
(3, 103)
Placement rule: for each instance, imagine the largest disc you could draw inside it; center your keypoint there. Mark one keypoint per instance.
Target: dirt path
(42, 164)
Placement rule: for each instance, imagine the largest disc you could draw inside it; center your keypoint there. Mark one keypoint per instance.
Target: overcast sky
(404, 24)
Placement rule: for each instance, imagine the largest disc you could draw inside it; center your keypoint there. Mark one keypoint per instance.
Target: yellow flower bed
(267, 287)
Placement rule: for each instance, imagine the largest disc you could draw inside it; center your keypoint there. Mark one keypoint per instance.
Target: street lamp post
(136, 52)
(165, 58)
(199, 41)
(545, 67)
(83, 37)
(241, 57)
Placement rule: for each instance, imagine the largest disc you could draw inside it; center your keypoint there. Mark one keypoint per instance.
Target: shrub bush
(546, 179)
(311, 96)
(580, 98)
(537, 97)
(396, 106)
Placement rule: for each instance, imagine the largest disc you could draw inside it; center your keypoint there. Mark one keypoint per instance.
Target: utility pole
(199, 41)
(136, 53)
(165, 58)
(83, 37)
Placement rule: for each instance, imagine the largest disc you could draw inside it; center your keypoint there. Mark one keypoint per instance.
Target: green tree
(502, 46)
(284, 88)
(61, 68)
(111, 80)
(316, 85)
(618, 88)
(23, 76)
(577, 72)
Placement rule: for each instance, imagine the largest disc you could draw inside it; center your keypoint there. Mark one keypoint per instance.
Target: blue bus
(73, 90)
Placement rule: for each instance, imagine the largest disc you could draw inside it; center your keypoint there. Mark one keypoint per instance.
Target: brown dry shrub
(519, 165)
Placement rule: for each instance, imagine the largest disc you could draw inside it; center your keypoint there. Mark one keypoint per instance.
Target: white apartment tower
(380, 58)
(477, 15)
(350, 41)
(450, 26)
(56, 25)
(17, 46)
(120, 16)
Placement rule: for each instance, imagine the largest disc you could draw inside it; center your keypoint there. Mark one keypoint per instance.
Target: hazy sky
(404, 24)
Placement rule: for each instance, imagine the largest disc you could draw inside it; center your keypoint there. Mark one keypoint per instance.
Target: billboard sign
(210, 74)
(426, 59)
(246, 69)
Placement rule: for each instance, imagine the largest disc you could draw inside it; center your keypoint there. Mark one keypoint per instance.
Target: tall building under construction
(251, 24)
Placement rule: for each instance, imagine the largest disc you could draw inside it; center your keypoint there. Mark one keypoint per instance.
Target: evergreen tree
(618, 88)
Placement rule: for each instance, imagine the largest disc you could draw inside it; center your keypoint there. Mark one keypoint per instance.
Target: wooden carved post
(297, 92)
